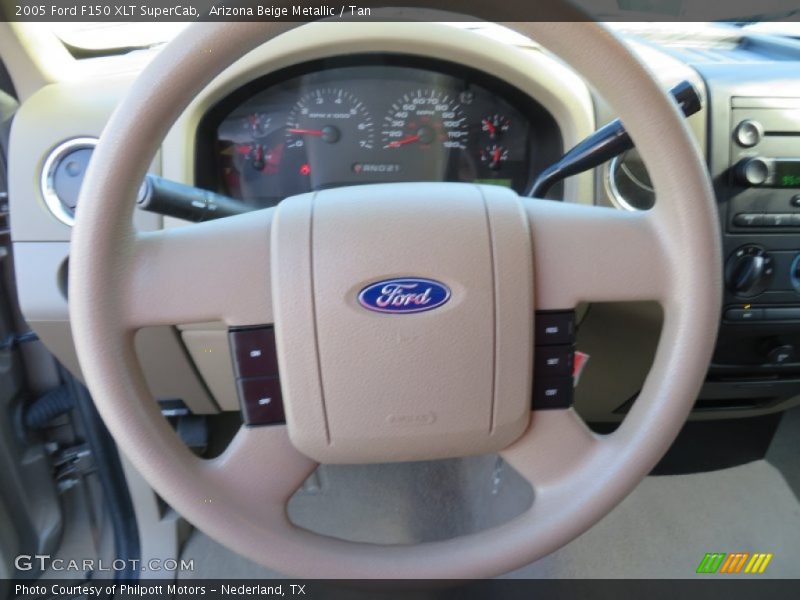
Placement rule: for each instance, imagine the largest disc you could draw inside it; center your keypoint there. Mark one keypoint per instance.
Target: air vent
(628, 182)
(62, 176)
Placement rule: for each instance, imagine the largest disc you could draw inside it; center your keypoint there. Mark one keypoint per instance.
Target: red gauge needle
(497, 153)
(316, 132)
(492, 129)
(406, 140)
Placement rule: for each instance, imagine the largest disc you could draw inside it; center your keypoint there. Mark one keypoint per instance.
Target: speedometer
(425, 118)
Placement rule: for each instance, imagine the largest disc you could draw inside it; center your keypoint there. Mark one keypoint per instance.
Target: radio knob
(748, 133)
(748, 271)
(752, 171)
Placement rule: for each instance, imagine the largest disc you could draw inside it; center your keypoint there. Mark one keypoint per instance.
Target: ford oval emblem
(404, 295)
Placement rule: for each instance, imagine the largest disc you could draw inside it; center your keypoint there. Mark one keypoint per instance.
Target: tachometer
(329, 116)
(425, 118)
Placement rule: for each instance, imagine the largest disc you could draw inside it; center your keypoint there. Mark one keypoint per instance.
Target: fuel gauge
(259, 157)
(494, 156)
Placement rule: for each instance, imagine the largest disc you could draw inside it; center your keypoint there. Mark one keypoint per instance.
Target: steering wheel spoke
(586, 253)
(263, 465)
(554, 444)
(213, 271)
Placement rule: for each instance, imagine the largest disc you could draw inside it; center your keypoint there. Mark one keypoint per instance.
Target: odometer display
(423, 119)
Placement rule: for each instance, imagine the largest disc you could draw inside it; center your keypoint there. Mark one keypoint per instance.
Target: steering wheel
(361, 386)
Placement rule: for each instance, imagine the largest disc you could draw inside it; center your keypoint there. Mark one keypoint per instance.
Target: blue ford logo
(406, 295)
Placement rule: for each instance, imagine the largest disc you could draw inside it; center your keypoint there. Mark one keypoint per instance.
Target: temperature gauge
(495, 125)
(494, 156)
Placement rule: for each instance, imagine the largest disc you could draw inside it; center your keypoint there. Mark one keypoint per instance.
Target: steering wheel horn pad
(364, 386)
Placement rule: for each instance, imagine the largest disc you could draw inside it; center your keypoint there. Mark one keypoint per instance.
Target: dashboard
(259, 136)
(371, 119)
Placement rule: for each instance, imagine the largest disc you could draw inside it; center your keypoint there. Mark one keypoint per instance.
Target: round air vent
(629, 183)
(62, 176)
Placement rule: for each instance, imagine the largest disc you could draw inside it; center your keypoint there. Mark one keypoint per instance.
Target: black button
(781, 354)
(749, 220)
(744, 314)
(261, 400)
(254, 352)
(554, 328)
(554, 360)
(769, 220)
(552, 392)
(782, 220)
(795, 201)
(782, 314)
(777, 220)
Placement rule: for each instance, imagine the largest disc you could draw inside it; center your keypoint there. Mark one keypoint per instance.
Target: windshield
(785, 28)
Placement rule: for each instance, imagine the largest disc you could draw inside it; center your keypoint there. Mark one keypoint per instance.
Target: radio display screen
(787, 173)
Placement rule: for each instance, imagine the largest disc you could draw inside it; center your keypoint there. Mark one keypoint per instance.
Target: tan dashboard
(193, 362)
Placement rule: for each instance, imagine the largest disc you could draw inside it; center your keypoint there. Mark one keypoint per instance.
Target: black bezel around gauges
(372, 118)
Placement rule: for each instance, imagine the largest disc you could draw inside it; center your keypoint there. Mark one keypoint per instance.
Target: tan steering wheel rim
(121, 280)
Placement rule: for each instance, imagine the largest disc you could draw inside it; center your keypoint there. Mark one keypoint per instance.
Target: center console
(756, 364)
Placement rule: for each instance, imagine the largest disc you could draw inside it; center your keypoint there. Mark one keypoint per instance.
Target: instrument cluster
(371, 120)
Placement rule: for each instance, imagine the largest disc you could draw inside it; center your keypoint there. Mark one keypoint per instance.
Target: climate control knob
(748, 271)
